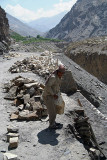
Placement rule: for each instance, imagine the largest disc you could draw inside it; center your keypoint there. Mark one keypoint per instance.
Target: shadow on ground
(48, 136)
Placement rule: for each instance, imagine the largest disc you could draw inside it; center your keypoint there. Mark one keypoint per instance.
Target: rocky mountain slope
(86, 19)
(21, 28)
(4, 32)
(90, 54)
(46, 23)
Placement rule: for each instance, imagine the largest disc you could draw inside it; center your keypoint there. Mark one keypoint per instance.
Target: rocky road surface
(36, 141)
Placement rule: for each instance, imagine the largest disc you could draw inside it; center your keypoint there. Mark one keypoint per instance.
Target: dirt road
(36, 141)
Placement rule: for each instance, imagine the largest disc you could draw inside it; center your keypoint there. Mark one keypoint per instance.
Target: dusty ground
(36, 141)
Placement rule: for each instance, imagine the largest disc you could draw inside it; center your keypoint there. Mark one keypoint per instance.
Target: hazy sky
(28, 10)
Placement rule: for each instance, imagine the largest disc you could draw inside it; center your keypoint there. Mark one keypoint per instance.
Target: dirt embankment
(91, 55)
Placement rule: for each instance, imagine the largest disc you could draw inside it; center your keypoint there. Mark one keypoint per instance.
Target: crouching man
(50, 94)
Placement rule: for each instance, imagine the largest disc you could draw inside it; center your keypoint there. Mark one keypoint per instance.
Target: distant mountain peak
(44, 24)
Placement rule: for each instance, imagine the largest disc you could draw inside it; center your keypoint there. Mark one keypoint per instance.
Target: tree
(38, 36)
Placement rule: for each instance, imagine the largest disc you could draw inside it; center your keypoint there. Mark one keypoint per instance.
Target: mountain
(4, 32)
(85, 19)
(46, 23)
(21, 28)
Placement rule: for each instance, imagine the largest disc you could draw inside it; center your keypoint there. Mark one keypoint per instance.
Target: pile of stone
(83, 131)
(42, 65)
(11, 54)
(82, 125)
(26, 94)
(12, 137)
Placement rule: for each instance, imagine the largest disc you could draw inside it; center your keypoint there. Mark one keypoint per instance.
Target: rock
(21, 107)
(12, 93)
(37, 98)
(31, 91)
(7, 86)
(19, 81)
(37, 106)
(19, 96)
(40, 89)
(44, 111)
(42, 85)
(14, 116)
(26, 98)
(32, 116)
(3, 150)
(9, 156)
(26, 115)
(92, 150)
(23, 115)
(28, 107)
(31, 85)
(13, 142)
(11, 135)
(18, 102)
(68, 85)
(12, 129)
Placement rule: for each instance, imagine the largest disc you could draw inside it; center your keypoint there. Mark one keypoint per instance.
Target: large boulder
(68, 84)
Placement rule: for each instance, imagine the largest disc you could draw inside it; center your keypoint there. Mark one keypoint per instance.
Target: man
(50, 94)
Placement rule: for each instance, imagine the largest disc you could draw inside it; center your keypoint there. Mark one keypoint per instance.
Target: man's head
(61, 70)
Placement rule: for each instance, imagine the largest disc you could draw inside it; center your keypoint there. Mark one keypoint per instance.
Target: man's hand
(55, 96)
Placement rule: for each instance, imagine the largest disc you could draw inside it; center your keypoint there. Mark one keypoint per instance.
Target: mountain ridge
(21, 28)
(85, 19)
(46, 23)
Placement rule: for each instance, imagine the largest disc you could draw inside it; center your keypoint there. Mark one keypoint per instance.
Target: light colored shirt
(52, 87)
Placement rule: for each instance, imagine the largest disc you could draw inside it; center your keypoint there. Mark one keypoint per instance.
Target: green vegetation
(17, 37)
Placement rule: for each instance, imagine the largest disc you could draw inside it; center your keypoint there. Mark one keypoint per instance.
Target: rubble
(41, 65)
(26, 94)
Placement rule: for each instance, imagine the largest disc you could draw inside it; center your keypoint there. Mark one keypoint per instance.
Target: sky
(29, 10)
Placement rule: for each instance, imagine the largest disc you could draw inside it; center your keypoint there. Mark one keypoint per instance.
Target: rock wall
(4, 32)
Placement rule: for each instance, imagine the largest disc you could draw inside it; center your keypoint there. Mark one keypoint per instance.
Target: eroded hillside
(90, 54)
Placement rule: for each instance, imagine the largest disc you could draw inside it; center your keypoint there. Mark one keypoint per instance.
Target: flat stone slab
(12, 129)
(9, 156)
(13, 142)
(11, 135)
(31, 85)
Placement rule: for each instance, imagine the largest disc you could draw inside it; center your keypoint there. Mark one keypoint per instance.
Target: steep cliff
(4, 32)
(85, 19)
(91, 54)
